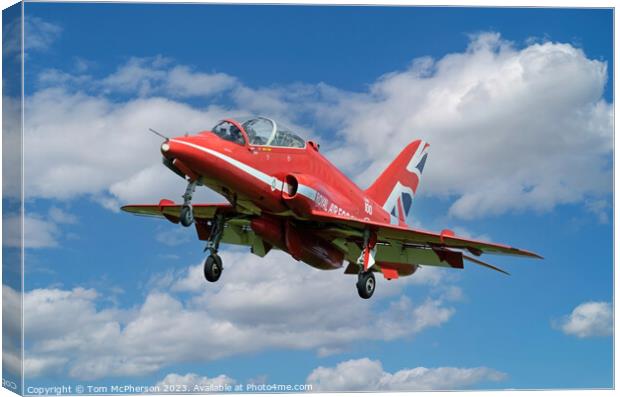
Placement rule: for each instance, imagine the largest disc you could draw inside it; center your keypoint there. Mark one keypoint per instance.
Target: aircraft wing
(236, 230)
(397, 245)
(405, 235)
(171, 211)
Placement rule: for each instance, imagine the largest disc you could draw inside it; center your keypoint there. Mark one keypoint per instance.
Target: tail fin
(396, 187)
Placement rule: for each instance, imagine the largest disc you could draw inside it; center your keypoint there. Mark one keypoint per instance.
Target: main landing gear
(213, 263)
(366, 279)
(365, 284)
(213, 268)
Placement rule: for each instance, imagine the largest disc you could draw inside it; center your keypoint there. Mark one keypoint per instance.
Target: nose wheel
(213, 268)
(366, 284)
(187, 215)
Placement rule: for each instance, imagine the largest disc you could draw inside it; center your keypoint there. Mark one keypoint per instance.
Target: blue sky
(97, 69)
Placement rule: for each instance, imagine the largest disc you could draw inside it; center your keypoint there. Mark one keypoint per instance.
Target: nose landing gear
(187, 212)
(212, 267)
(187, 215)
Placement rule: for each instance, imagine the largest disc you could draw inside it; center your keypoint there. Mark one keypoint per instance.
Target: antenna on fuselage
(159, 134)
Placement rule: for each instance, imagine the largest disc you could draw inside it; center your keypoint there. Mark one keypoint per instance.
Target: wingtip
(528, 253)
(535, 255)
(128, 208)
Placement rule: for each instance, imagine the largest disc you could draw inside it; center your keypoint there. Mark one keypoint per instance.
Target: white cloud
(149, 185)
(262, 304)
(137, 76)
(59, 215)
(464, 232)
(55, 77)
(510, 129)
(184, 82)
(544, 102)
(39, 34)
(191, 382)
(173, 236)
(38, 233)
(368, 375)
(81, 144)
(11, 147)
(36, 366)
(600, 208)
(155, 76)
(453, 293)
(11, 330)
(587, 320)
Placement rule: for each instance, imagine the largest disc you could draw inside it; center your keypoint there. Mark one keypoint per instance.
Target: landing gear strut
(366, 279)
(187, 212)
(213, 263)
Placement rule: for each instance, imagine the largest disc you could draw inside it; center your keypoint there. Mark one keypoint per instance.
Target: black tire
(366, 285)
(187, 216)
(213, 268)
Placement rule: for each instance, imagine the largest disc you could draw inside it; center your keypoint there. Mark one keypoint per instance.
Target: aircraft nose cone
(182, 148)
(175, 149)
(170, 149)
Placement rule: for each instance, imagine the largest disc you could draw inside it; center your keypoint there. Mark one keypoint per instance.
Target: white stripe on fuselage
(261, 176)
(304, 190)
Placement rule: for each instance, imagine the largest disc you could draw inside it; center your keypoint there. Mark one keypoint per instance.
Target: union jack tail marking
(396, 187)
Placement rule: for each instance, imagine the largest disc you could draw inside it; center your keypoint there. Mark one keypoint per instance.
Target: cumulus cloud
(158, 76)
(272, 303)
(173, 236)
(191, 382)
(59, 215)
(587, 320)
(368, 375)
(11, 330)
(38, 35)
(11, 144)
(510, 128)
(600, 208)
(38, 233)
(80, 144)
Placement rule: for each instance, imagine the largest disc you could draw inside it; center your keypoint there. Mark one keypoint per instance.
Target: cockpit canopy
(261, 131)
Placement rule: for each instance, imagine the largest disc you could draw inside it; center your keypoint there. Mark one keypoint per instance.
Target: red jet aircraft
(282, 193)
